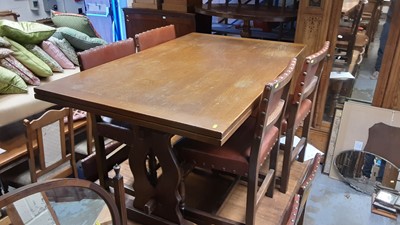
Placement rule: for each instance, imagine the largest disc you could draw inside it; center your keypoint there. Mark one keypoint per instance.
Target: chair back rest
(154, 37)
(294, 210)
(48, 132)
(308, 80)
(272, 103)
(105, 53)
(305, 187)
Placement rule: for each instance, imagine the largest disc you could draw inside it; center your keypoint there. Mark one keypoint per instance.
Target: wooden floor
(203, 190)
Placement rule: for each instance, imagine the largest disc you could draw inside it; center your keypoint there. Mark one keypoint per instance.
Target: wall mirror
(63, 201)
(365, 171)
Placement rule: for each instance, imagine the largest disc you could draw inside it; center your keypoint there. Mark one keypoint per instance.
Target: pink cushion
(14, 65)
(57, 55)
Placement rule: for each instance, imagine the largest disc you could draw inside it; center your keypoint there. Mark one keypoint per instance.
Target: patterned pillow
(53, 64)
(4, 43)
(80, 40)
(74, 21)
(33, 63)
(25, 32)
(4, 52)
(66, 48)
(12, 64)
(57, 55)
(11, 83)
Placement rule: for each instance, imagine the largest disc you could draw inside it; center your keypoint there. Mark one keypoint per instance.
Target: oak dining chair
(106, 128)
(51, 150)
(255, 141)
(305, 187)
(153, 37)
(299, 111)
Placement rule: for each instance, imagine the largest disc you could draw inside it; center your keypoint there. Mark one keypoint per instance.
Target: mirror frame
(39, 187)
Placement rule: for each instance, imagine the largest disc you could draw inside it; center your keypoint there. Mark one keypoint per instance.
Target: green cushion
(80, 40)
(29, 60)
(74, 21)
(41, 54)
(25, 32)
(66, 48)
(4, 43)
(11, 83)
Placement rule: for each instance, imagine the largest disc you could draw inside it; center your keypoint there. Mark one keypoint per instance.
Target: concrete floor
(333, 202)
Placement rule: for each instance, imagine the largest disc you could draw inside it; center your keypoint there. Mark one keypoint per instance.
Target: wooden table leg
(158, 197)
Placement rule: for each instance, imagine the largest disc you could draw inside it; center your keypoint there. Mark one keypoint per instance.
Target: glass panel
(365, 171)
(52, 143)
(64, 206)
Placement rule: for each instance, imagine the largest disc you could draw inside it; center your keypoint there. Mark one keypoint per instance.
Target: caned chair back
(55, 152)
(154, 37)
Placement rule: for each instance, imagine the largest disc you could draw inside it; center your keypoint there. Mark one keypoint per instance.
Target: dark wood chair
(249, 147)
(350, 41)
(154, 37)
(299, 111)
(305, 187)
(51, 150)
(107, 127)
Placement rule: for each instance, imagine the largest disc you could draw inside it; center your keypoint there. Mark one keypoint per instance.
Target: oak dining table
(198, 86)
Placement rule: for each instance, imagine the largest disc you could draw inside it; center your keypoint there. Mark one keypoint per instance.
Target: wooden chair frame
(304, 96)
(97, 127)
(269, 117)
(38, 149)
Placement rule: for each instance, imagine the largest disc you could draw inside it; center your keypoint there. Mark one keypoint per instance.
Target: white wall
(26, 14)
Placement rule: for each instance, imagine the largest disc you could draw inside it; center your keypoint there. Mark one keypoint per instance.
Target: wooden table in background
(198, 86)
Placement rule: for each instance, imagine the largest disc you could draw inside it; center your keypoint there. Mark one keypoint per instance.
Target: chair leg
(287, 156)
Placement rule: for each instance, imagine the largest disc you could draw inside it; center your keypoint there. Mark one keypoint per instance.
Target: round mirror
(64, 201)
(364, 171)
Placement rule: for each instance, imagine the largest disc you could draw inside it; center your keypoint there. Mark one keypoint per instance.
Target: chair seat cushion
(233, 156)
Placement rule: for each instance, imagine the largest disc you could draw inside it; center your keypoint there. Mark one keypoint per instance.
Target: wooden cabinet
(139, 20)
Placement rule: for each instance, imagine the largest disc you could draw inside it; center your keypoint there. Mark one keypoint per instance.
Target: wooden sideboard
(138, 20)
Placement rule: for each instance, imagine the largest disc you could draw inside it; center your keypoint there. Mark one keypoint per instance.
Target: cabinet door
(184, 23)
(139, 20)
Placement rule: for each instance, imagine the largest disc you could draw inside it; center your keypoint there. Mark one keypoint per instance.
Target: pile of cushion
(30, 51)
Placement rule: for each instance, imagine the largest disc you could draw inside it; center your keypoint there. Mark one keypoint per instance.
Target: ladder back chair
(107, 128)
(51, 150)
(299, 110)
(248, 148)
(153, 37)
